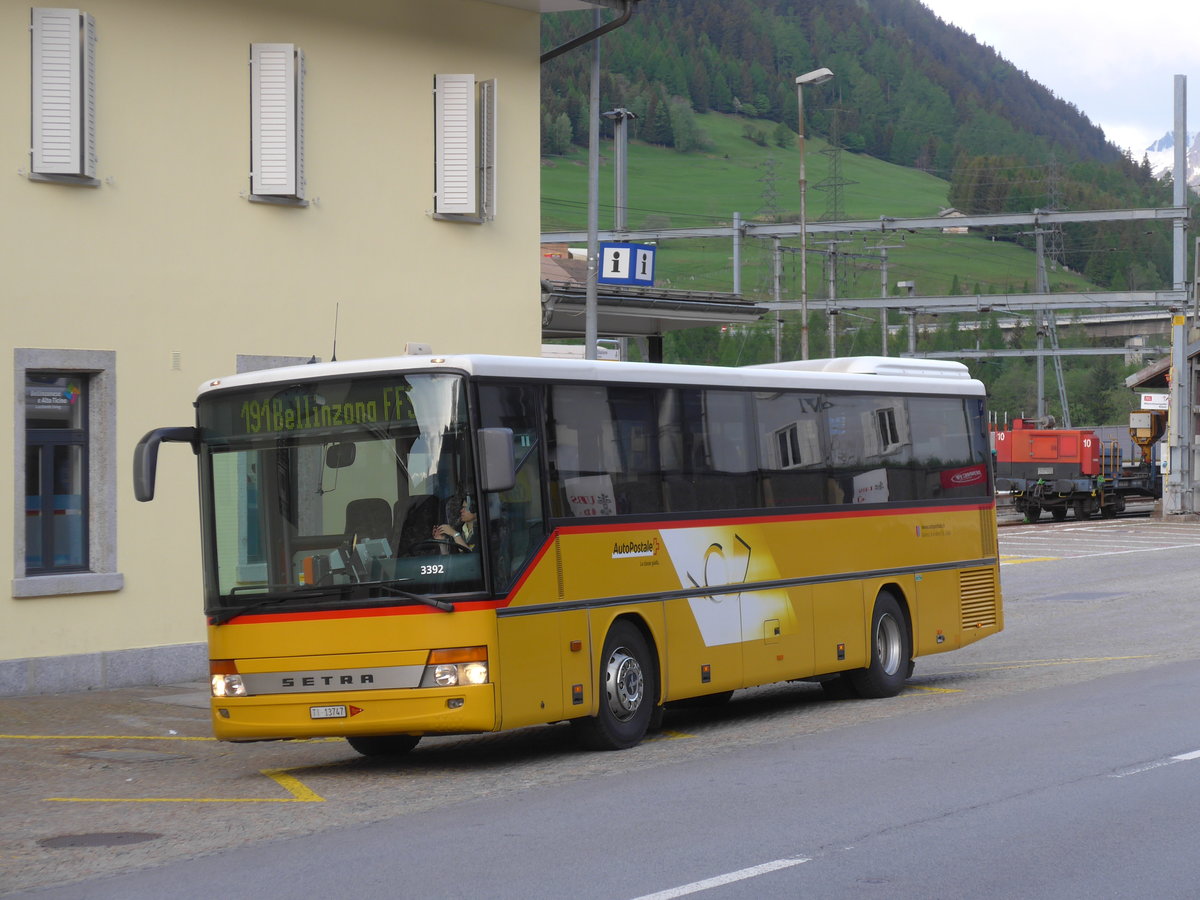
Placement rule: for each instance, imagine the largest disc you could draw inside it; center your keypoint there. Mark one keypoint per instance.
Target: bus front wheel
(628, 689)
(387, 745)
(891, 652)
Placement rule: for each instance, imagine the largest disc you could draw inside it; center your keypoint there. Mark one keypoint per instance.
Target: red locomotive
(1062, 469)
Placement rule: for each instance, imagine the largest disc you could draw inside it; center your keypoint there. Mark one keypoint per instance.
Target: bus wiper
(444, 605)
(224, 616)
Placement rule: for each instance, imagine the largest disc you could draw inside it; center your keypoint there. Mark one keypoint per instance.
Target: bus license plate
(327, 712)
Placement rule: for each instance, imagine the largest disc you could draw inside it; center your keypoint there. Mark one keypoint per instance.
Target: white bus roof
(862, 373)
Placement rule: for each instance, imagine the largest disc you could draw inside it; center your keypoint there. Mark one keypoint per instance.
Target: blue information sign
(627, 264)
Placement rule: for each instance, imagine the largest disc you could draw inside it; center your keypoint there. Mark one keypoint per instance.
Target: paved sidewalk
(60, 751)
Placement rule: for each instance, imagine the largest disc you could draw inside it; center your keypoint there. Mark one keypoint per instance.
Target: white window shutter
(301, 183)
(456, 155)
(276, 120)
(487, 149)
(63, 92)
(88, 126)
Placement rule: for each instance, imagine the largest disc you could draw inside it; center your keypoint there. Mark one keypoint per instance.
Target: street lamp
(618, 117)
(816, 76)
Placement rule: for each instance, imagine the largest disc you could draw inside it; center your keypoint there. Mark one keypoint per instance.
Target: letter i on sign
(614, 262)
(643, 271)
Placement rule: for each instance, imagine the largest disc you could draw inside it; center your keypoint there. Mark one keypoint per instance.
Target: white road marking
(728, 878)
(1157, 764)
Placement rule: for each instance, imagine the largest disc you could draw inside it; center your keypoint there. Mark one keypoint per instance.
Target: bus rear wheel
(386, 745)
(891, 652)
(628, 688)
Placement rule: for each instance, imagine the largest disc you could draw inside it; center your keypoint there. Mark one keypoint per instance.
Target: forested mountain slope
(910, 89)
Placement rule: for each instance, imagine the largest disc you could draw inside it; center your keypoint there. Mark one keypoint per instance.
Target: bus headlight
(455, 667)
(228, 686)
(225, 680)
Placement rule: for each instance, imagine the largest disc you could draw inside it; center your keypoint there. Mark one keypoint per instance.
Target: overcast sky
(1116, 62)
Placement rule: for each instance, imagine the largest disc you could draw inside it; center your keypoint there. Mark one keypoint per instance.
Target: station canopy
(623, 311)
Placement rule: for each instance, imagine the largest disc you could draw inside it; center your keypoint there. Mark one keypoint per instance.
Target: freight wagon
(1063, 469)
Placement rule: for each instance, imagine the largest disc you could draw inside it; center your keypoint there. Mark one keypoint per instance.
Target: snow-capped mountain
(1162, 156)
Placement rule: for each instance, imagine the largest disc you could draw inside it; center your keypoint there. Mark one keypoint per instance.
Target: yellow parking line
(1015, 560)
(293, 786)
(668, 735)
(932, 690)
(300, 794)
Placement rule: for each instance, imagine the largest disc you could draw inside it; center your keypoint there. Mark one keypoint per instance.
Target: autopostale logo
(636, 548)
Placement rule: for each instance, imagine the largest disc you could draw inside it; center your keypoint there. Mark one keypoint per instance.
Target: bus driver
(465, 536)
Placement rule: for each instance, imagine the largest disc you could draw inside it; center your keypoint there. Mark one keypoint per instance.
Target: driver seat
(418, 523)
(369, 517)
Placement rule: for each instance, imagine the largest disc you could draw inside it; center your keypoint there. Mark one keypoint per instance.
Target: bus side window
(793, 460)
(707, 450)
(516, 520)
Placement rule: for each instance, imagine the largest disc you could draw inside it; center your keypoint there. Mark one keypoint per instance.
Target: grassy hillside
(668, 189)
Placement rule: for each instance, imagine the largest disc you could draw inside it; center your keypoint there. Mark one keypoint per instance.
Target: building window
(889, 434)
(65, 421)
(63, 102)
(56, 489)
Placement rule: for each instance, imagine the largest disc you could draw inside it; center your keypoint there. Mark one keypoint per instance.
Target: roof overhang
(1152, 376)
(1156, 375)
(638, 312)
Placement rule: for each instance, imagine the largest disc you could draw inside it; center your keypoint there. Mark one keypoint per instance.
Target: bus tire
(1058, 513)
(628, 688)
(385, 745)
(891, 651)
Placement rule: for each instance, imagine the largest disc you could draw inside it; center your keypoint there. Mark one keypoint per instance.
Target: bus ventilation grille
(558, 566)
(977, 590)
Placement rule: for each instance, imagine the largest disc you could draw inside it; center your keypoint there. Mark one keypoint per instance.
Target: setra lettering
(331, 680)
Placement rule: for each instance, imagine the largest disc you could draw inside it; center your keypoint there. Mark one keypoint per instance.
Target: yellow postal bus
(446, 545)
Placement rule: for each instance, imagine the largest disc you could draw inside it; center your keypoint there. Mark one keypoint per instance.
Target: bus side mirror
(498, 464)
(145, 457)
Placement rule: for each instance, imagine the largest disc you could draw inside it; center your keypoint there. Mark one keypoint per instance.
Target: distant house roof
(951, 213)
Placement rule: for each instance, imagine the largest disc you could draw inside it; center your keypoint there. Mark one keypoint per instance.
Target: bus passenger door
(515, 519)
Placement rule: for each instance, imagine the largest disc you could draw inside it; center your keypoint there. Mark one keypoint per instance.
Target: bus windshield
(338, 491)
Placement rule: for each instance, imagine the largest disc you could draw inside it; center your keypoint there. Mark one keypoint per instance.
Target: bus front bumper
(420, 711)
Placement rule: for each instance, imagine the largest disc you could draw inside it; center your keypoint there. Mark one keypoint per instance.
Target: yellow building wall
(169, 265)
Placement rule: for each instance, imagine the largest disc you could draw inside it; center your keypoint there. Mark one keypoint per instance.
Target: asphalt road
(1052, 760)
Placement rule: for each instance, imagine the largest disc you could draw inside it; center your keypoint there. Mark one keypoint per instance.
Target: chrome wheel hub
(888, 644)
(623, 684)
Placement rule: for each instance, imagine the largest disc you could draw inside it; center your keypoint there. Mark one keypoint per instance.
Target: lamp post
(816, 76)
(618, 117)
